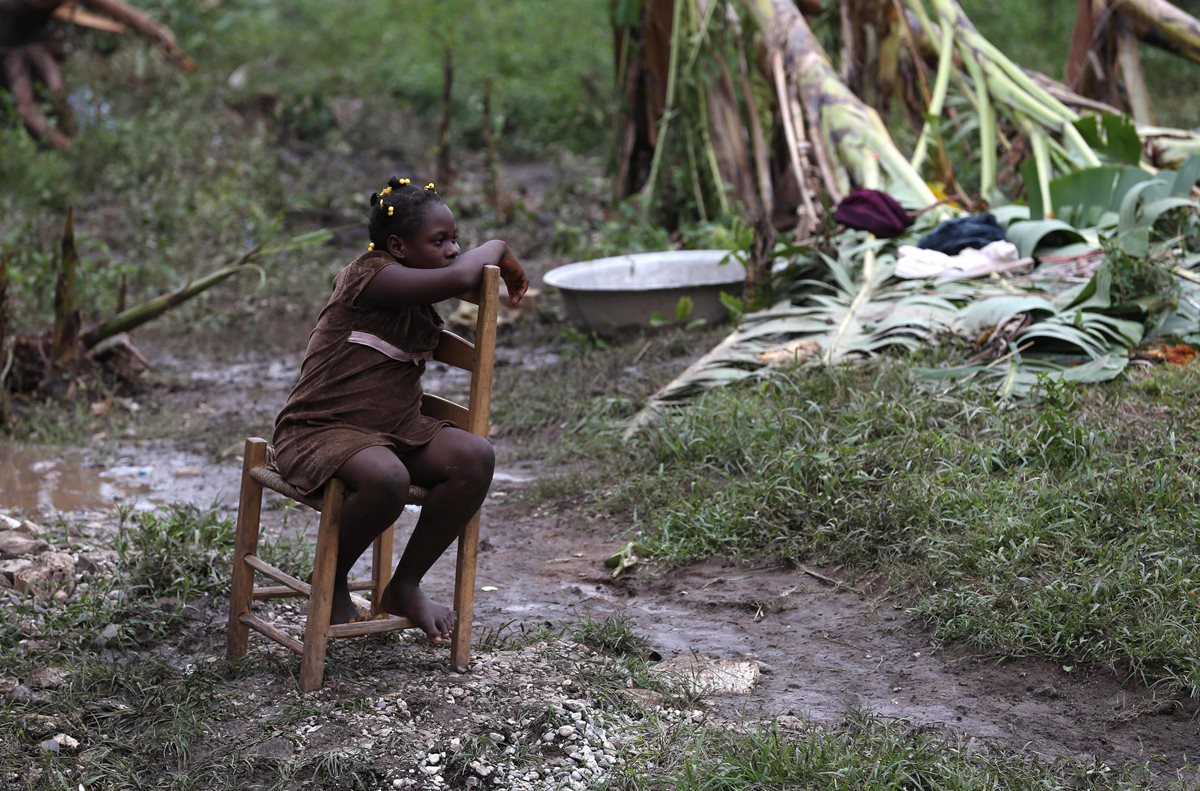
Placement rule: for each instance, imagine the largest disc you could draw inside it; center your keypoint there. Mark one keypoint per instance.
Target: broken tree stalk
(66, 313)
(846, 124)
(152, 309)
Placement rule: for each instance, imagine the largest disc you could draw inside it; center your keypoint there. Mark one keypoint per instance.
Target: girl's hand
(515, 279)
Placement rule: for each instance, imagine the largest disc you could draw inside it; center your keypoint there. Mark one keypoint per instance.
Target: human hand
(515, 279)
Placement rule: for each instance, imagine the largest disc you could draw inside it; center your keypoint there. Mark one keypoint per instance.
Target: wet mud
(823, 650)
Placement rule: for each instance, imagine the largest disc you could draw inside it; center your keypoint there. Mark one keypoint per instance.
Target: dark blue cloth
(974, 232)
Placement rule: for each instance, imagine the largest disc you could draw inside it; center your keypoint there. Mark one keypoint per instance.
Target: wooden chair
(258, 470)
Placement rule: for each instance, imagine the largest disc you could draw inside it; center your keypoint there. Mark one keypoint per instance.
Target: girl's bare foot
(409, 601)
(343, 609)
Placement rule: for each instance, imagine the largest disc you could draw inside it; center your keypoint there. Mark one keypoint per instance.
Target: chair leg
(381, 568)
(316, 628)
(245, 543)
(464, 595)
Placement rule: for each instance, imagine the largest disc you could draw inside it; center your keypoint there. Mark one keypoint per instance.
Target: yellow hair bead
(391, 210)
(385, 191)
(405, 182)
(429, 186)
(371, 246)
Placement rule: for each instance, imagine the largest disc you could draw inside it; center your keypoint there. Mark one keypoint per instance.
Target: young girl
(355, 413)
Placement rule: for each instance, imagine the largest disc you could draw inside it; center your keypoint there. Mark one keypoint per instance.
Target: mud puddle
(49, 481)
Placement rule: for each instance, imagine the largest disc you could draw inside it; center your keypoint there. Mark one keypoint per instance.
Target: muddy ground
(826, 643)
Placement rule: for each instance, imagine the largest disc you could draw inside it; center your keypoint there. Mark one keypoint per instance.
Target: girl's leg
(377, 484)
(456, 467)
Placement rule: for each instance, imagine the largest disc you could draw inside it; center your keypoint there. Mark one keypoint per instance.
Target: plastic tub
(610, 295)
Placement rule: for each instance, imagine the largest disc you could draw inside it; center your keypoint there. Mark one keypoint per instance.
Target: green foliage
(1060, 528)
(615, 635)
(862, 752)
(1141, 284)
(159, 195)
(548, 90)
(175, 552)
(173, 173)
(1114, 138)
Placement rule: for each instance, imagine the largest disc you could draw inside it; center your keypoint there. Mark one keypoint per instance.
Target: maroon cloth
(353, 395)
(873, 211)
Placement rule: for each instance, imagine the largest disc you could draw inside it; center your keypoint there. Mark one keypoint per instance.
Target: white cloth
(919, 263)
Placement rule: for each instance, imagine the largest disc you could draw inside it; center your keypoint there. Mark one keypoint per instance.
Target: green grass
(862, 753)
(615, 635)
(144, 714)
(1061, 529)
(593, 388)
(547, 89)
(163, 560)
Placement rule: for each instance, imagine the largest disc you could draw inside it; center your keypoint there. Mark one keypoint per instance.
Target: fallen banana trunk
(152, 309)
(852, 147)
(1163, 24)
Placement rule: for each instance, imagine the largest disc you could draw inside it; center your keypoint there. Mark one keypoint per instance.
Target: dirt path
(823, 650)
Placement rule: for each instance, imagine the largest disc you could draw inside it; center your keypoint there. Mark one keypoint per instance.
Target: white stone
(66, 742)
(701, 675)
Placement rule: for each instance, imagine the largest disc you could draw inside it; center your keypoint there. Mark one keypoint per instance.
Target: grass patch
(162, 562)
(1061, 528)
(142, 716)
(174, 552)
(591, 390)
(614, 635)
(863, 752)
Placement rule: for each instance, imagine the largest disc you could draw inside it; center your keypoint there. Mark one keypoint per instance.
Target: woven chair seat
(270, 477)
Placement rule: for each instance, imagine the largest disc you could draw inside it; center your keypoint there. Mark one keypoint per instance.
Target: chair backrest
(477, 358)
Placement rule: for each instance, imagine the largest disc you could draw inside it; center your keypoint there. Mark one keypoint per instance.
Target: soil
(824, 647)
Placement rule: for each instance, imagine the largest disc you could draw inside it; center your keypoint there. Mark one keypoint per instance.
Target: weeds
(175, 552)
(862, 753)
(515, 635)
(614, 635)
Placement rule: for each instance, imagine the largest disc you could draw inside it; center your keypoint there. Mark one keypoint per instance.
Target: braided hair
(398, 209)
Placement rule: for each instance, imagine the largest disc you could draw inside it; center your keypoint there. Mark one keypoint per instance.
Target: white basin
(609, 295)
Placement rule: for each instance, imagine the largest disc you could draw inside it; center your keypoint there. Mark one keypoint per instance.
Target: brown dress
(360, 383)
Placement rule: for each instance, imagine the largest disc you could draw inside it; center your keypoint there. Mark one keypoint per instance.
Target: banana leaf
(1113, 137)
(1016, 376)
(1047, 237)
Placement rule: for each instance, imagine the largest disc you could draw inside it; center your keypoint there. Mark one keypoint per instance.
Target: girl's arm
(400, 286)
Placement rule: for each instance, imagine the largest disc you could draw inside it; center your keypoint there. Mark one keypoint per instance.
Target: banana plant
(854, 309)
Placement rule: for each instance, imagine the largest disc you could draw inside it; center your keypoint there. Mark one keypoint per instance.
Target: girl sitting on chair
(355, 412)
